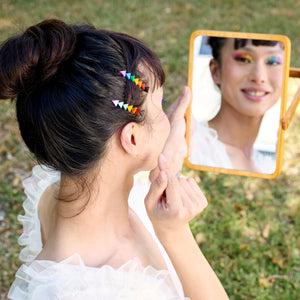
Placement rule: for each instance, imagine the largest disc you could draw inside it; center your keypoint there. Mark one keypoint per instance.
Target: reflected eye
(243, 58)
(274, 61)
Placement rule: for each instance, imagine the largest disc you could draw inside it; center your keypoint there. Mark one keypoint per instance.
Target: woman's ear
(129, 137)
(215, 71)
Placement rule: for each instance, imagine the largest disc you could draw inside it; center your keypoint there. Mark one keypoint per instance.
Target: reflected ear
(215, 71)
(128, 138)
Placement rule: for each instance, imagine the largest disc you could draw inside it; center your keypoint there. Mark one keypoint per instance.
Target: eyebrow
(271, 51)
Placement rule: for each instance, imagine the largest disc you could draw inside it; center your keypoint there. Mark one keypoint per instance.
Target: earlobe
(128, 138)
(215, 71)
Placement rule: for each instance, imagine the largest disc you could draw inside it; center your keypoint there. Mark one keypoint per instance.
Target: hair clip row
(135, 80)
(130, 108)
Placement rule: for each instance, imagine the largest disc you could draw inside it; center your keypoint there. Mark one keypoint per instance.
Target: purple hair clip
(138, 82)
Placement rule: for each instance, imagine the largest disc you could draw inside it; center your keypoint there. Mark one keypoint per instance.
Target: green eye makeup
(274, 60)
(246, 58)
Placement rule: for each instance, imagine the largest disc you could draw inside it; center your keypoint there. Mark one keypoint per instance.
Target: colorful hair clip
(130, 108)
(138, 82)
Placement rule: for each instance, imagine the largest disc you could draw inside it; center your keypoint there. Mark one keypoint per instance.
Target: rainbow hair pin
(130, 108)
(138, 82)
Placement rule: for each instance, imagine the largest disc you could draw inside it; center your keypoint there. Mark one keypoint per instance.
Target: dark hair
(217, 43)
(64, 78)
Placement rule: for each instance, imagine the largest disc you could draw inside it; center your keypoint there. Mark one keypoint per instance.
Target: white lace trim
(31, 279)
(35, 185)
(71, 279)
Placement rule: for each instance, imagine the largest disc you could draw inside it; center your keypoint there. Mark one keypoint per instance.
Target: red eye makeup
(242, 57)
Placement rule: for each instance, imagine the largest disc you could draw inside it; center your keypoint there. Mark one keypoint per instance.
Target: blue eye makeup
(274, 61)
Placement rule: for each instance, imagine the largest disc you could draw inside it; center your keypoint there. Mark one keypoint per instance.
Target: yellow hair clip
(138, 82)
(130, 108)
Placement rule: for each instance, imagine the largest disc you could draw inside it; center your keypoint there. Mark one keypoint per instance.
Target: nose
(258, 73)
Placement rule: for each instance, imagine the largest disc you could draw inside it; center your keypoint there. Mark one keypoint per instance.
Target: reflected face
(249, 77)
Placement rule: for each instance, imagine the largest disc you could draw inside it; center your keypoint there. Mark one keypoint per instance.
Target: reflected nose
(258, 73)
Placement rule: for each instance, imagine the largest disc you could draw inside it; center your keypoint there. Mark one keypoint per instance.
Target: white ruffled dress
(71, 279)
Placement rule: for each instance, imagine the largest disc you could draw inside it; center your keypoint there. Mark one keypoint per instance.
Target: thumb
(178, 109)
(158, 186)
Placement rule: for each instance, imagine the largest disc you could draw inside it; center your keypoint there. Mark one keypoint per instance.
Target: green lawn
(250, 230)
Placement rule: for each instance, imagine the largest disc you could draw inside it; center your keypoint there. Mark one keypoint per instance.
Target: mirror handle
(285, 122)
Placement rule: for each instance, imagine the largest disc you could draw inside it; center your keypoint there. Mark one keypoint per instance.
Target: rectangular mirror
(239, 87)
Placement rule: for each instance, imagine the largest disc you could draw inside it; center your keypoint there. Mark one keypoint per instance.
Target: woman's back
(40, 271)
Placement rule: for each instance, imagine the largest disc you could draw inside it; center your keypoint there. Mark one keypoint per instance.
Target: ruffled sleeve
(72, 280)
(42, 177)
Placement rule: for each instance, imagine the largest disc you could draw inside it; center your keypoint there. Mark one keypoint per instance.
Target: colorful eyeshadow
(243, 57)
(274, 60)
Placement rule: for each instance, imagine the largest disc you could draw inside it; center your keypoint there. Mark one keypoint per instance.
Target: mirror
(239, 88)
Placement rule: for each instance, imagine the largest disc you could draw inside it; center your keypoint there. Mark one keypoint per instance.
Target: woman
(89, 108)
(249, 76)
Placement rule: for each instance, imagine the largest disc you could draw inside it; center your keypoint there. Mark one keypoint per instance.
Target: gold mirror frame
(285, 115)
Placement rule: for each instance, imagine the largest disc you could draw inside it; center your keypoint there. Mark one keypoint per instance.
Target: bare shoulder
(148, 249)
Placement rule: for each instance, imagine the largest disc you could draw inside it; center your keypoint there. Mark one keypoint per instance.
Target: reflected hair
(217, 43)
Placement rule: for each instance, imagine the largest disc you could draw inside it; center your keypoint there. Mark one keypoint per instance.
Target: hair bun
(32, 58)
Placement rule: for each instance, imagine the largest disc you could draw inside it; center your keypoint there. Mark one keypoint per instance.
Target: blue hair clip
(138, 82)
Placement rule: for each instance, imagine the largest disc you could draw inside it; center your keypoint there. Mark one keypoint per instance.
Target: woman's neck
(236, 130)
(95, 216)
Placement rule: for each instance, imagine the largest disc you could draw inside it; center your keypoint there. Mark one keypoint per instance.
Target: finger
(156, 191)
(188, 196)
(173, 195)
(165, 166)
(179, 107)
(195, 194)
(159, 185)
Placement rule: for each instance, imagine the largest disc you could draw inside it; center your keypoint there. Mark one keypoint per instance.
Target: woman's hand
(172, 202)
(175, 149)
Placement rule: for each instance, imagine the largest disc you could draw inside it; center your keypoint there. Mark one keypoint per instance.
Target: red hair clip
(130, 108)
(138, 82)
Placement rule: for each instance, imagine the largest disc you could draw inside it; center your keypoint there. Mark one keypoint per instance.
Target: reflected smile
(255, 93)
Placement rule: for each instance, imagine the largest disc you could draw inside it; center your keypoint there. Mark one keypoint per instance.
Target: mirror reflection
(236, 103)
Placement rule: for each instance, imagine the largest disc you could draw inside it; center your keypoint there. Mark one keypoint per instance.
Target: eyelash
(247, 59)
(244, 58)
(274, 61)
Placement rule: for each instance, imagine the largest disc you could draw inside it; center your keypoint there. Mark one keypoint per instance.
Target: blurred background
(250, 230)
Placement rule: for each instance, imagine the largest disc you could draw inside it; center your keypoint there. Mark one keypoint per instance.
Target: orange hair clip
(130, 108)
(138, 82)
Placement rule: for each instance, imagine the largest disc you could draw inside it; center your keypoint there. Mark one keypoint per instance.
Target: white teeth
(255, 93)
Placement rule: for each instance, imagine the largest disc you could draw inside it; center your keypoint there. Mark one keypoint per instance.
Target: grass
(249, 232)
